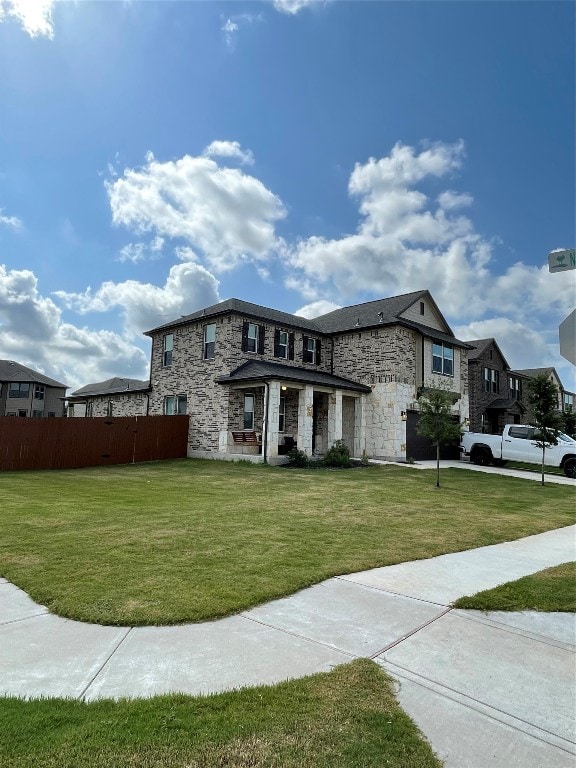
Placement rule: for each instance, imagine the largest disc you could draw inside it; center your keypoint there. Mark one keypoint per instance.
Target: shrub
(297, 458)
(337, 456)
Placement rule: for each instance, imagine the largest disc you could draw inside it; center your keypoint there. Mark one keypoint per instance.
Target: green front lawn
(553, 589)
(348, 717)
(191, 540)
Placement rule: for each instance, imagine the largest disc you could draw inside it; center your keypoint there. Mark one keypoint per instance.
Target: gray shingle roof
(367, 315)
(112, 386)
(12, 371)
(246, 308)
(480, 346)
(259, 370)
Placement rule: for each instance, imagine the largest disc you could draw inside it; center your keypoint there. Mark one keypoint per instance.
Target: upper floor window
(175, 405)
(283, 344)
(443, 359)
(39, 391)
(168, 349)
(248, 411)
(311, 350)
(568, 400)
(515, 386)
(19, 389)
(422, 307)
(253, 338)
(209, 341)
(491, 380)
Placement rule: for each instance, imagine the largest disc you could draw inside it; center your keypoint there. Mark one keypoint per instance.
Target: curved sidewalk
(488, 690)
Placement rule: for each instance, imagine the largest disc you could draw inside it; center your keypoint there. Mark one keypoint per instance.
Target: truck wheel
(481, 456)
(570, 467)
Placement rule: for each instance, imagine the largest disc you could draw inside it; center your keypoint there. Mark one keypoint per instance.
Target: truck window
(519, 432)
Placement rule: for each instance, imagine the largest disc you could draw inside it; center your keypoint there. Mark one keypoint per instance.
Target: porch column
(305, 419)
(359, 426)
(334, 417)
(271, 419)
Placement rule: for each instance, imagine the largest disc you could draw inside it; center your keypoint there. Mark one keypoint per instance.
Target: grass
(534, 468)
(191, 540)
(553, 589)
(348, 717)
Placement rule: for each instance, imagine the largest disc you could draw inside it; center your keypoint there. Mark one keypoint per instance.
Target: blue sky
(157, 157)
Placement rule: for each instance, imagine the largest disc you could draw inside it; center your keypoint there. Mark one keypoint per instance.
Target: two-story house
(565, 397)
(495, 392)
(113, 397)
(353, 374)
(25, 392)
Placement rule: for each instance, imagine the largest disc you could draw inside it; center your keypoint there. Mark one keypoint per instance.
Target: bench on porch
(247, 438)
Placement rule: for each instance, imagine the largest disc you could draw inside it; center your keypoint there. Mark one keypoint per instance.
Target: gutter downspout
(265, 435)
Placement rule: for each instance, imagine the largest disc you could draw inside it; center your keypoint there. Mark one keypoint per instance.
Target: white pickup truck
(516, 443)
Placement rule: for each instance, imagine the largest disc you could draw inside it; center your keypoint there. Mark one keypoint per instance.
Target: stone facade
(131, 404)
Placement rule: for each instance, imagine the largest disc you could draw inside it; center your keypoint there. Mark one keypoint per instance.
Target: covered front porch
(271, 414)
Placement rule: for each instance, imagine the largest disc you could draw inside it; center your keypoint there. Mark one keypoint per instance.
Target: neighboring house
(353, 374)
(114, 397)
(495, 391)
(25, 392)
(565, 397)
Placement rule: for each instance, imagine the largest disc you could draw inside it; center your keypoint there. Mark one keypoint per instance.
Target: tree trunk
(543, 454)
(437, 465)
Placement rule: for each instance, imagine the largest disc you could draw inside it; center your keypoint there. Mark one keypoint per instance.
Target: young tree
(543, 401)
(436, 421)
(569, 421)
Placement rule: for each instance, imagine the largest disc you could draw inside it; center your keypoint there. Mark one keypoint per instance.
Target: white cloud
(189, 287)
(406, 241)
(317, 308)
(229, 29)
(33, 333)
(12, 222)
(136, 252)
(224, 213)
(293, 7)
(35, 16)
(231, 149)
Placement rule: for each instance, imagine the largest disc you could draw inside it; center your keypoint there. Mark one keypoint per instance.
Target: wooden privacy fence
(68, 443)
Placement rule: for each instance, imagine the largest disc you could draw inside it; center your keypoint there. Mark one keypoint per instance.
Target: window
(248, 411)
(422, 307)
(209, 341)
(523, 433)
(443, 359)
(282, 414)
(23, 414)
(90, 409)
(110, 408)
(283, 344)
(253, 338)
(311, 350)
(175, 405)
(515, 385)
(168, 349)
(19, 389)
(568, 400)
(39, 391)
(491, 380)
(37, 414)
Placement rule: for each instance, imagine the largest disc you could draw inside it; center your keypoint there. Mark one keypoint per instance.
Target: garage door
(421, 448)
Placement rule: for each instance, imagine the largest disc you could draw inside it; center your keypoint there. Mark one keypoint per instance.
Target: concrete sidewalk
(490, 690)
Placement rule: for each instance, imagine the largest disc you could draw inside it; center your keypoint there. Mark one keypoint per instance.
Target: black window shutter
(261, 332)
(291, 346)
(304, 347)
(244, 336)
(276, 342)
(318, 347)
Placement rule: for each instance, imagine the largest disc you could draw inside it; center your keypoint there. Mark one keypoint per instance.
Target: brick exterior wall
(133, 404)
(480, 399)
(214, 409)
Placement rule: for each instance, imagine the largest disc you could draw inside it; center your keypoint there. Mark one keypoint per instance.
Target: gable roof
(370, 313)
(259, 370)
(246, 308)
(532, 372)
(479, 347)
(116, 385)
(12, 371)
